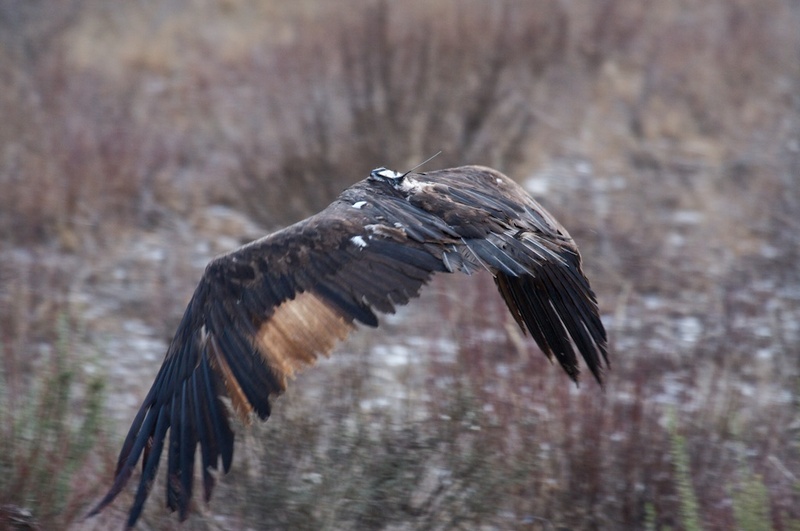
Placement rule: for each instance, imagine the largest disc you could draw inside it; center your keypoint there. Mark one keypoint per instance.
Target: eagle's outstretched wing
(271, 307)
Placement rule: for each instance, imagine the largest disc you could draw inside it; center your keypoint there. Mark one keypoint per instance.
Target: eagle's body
(265, 310)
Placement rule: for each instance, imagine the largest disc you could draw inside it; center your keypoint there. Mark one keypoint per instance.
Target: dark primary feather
(271, 307)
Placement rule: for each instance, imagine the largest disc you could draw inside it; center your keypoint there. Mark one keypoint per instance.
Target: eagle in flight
(271, 307)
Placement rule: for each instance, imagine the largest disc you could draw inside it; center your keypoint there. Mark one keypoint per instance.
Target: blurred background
(140, 139)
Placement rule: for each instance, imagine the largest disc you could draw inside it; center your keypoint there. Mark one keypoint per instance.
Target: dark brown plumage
(268, 309)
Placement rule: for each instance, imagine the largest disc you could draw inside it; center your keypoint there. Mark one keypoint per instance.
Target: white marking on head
(384, 174)
(358, 241)
(499, 180)
(400, 181)
(359, 204)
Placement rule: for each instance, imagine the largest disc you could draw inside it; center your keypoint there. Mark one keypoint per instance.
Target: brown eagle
(269, 308)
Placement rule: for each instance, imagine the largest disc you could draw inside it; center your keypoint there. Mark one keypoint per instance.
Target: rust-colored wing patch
(297, 332)
(241, 406)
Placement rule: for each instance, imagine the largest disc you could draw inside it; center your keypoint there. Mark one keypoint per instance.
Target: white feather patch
(358, 241)
(410, 185)
(359, 204)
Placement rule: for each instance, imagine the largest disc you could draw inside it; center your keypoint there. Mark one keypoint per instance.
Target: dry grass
(666, 137)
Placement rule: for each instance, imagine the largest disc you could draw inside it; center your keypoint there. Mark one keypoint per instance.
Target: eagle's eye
(384, 174)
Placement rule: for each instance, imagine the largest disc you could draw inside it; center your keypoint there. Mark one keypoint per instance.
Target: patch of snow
(537, 185)
(393, 355)
(762, 331)
(445, 348)
(618, 436)
(653, 302)
(770, 251)
(676, 240)
(690, 329)
(764, 354)
(377, 403)
(618, 182)
(315, 478)
(672, 389)
(583, 167)
(688, 217)
(202, 247)
(625, 397)
(490, 335)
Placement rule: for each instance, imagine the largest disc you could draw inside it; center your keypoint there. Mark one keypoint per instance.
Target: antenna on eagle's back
(424, 162)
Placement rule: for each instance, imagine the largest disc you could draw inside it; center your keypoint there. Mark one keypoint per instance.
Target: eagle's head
(396, 179)
(386, 175)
